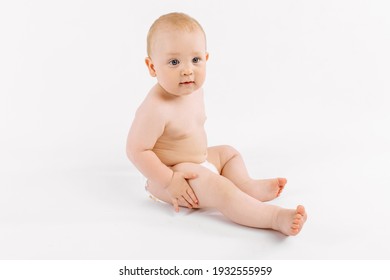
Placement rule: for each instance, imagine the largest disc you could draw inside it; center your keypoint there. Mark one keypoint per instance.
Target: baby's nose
(186, 71)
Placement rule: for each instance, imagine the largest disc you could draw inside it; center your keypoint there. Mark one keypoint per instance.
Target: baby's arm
(147, 127)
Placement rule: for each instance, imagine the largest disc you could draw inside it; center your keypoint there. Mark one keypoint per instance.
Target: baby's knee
(205, 178)
(228, 151)
(203, 175)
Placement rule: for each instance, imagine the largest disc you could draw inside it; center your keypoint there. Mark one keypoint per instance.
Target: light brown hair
(178, 21)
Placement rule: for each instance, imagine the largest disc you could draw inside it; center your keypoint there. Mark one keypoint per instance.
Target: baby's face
(179, 61)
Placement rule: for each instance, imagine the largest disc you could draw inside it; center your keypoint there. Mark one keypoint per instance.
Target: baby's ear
(150, 65)
(207, 56)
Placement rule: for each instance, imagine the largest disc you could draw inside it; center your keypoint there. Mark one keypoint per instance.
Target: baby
(167, 141)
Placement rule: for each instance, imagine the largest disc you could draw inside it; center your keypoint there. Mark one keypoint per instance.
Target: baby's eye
(174, 62)
(195, 59)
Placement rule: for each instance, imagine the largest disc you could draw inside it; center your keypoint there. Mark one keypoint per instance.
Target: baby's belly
(172, 152)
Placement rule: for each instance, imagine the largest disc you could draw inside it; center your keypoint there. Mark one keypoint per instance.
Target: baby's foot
(265, 190)
(290, 221)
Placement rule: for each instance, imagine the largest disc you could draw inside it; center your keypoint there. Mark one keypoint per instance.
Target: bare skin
(230, 164)
(167, 143)
(290, 222)
(218, 192)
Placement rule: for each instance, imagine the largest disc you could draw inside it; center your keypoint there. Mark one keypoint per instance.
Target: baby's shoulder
(154, 100)
(153, 104)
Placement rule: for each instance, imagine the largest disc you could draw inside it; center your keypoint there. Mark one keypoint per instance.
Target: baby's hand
(180, 190)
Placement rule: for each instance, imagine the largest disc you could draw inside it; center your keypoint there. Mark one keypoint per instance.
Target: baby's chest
(184, 124)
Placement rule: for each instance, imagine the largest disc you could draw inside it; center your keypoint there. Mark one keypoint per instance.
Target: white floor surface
(102, 212)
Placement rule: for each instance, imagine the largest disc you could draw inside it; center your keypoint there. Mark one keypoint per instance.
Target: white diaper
(210, 167)
(206, 164)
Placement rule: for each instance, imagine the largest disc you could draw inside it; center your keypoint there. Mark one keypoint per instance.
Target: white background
(301, 88)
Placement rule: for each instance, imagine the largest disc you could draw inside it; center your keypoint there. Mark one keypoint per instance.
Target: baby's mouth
(187, 83)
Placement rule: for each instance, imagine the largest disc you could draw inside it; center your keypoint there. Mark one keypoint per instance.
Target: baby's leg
(219, 192)
(231, 165)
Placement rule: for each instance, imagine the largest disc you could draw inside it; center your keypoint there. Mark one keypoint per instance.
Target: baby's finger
(190, 175)
(175, 204)
(186, 200)
(192, 195)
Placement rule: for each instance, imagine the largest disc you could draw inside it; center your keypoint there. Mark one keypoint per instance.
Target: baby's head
(172, 22)
(176, 46)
